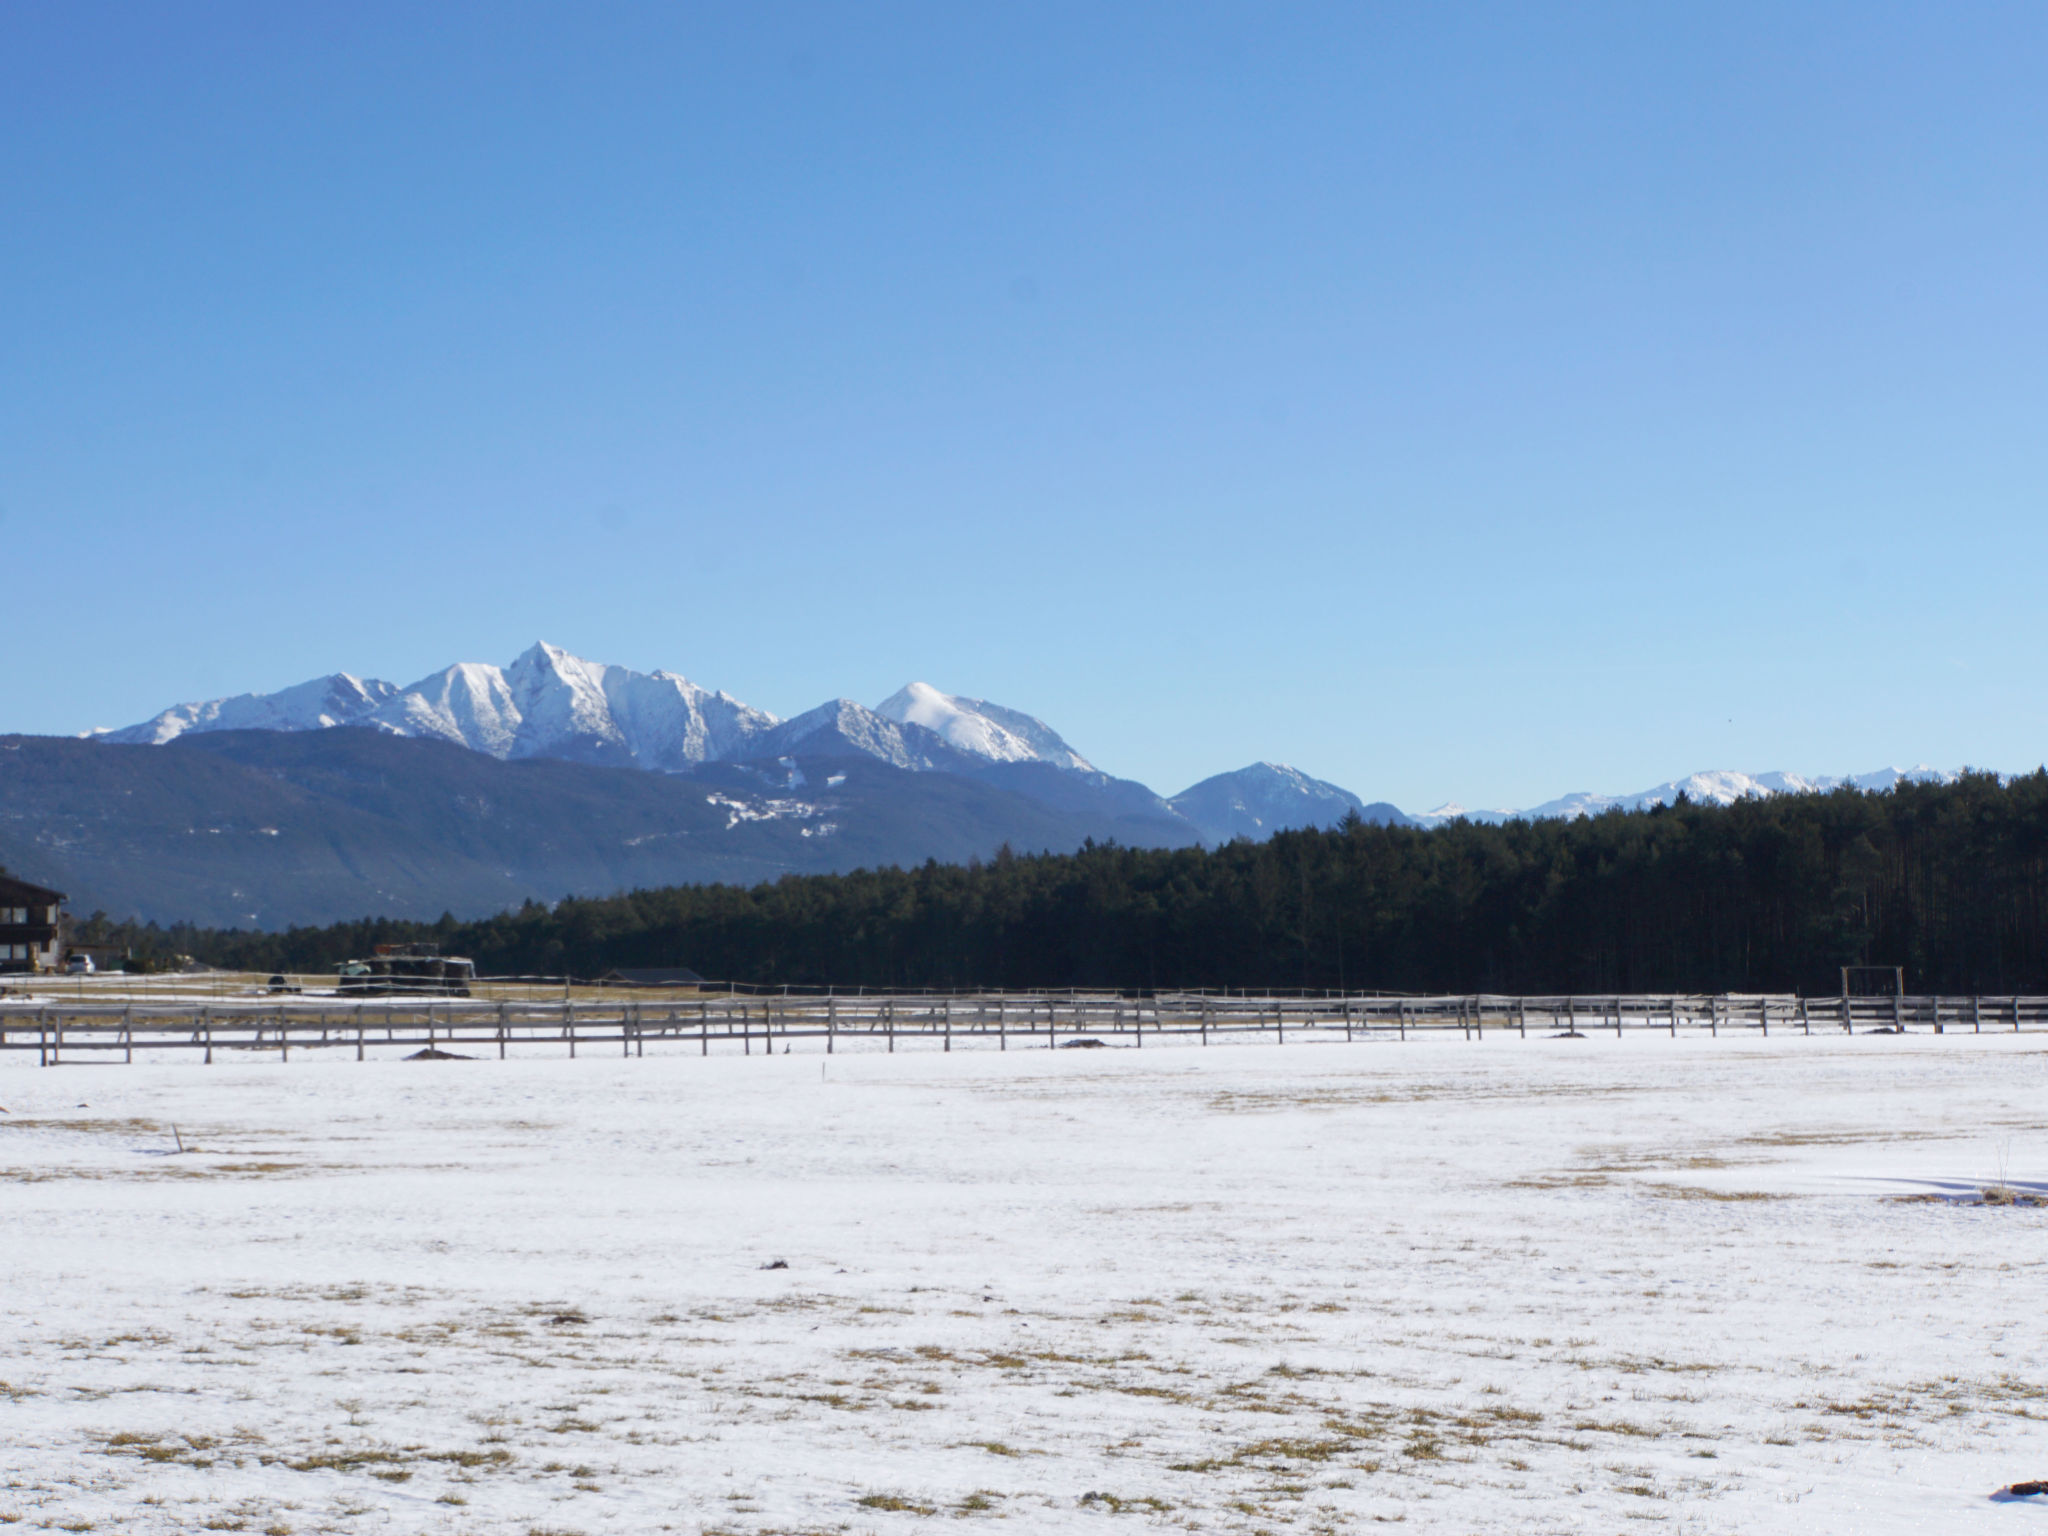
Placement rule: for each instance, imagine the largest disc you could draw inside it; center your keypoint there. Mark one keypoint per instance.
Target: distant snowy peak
(1714, 787)
(312, 706)
(546, 703)
(1265, 798)
(981, 729)
(549, 703)
(843, 727)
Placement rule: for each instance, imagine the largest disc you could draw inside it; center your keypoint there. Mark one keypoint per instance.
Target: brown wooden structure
(28, 926)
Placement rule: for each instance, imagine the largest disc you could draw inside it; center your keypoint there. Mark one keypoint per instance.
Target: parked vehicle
(79, 965)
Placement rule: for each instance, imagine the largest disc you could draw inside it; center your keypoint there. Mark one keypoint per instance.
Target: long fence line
(699, 1022)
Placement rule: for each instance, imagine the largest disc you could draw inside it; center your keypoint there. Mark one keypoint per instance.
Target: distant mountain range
(480, 786)
(550, 704)
(1715, 787)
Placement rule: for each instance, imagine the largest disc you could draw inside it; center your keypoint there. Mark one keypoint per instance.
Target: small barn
(28, 926)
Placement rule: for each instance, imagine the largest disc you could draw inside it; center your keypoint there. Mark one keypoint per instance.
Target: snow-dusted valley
(1554, 1286)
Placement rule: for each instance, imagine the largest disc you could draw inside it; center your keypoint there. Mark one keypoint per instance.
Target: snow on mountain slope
(842, 727)
(469, 704)
(551, 703)
(1718, 786)
(1263, 799)
(547, 703)
(981, 729)
(311, 706)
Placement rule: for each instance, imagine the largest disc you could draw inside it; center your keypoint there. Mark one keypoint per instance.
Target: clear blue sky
(1454, 401)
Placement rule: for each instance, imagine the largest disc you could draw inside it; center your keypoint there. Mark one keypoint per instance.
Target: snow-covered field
(1538, 1285)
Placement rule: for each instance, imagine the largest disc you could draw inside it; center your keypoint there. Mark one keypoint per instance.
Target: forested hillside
(1950, 880)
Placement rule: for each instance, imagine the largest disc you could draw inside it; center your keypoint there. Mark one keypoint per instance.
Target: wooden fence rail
(74, 1031)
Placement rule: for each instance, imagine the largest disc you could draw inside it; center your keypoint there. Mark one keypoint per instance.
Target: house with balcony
(28, 926)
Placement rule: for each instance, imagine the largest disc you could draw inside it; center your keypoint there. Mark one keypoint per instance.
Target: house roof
(14, 891)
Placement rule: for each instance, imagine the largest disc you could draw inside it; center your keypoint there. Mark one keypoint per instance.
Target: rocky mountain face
(546, 703)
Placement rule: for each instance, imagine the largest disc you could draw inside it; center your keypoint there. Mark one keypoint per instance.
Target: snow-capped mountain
(311, 706)
(981, 729)
(550, 703)
(1718, 786)
(1258, 801)
(842, 727)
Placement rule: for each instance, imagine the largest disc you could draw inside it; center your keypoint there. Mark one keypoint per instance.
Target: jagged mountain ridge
(551, 703)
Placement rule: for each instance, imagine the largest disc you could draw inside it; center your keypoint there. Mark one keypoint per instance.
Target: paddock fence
(115, 1025)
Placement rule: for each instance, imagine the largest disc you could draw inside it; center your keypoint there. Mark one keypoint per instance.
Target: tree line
(1948, 880)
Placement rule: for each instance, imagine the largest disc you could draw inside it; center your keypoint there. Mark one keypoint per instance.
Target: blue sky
(1454, 401)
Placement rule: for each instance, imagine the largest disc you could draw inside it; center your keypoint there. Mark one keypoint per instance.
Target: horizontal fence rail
(114, 1026)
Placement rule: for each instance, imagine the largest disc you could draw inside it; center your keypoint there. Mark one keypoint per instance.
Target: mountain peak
(1265, 798)
(981, 729)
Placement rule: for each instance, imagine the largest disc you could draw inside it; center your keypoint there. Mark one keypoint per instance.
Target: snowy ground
(1504, 1286)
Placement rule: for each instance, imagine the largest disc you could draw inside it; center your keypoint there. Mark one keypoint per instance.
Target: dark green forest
(1949, 880)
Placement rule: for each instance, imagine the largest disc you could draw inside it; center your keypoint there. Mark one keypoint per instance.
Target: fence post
(1522, 1016)
(1805, 1025)
(569, 1019)
(948, 1006)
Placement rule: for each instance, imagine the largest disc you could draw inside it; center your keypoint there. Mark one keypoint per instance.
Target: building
(28, 926)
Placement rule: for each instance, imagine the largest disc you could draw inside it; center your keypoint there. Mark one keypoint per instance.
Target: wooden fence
(115, 1028)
